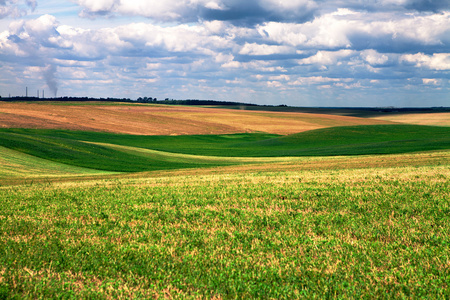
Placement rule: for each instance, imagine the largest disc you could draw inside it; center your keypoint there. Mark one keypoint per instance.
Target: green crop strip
(88, 155)
(94, 150)
(15, 164)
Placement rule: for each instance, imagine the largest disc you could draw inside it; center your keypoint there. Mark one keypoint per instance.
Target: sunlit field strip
(435, 119)
(179, 157)
(14, 164)
(35, 171)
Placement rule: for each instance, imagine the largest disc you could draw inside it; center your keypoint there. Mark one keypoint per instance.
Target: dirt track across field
(164, 119)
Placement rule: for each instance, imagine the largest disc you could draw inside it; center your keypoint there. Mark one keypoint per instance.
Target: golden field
(154, 119)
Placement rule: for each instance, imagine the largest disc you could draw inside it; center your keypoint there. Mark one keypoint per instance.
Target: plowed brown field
(165, 120)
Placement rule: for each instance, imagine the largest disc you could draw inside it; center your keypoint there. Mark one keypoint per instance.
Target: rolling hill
(70, 138)
(155, 119)
(133, 153)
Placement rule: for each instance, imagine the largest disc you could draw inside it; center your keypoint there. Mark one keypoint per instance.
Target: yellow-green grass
(244, 165)
(190, 158)
(82, 157)
(321, 228)
(15, 164)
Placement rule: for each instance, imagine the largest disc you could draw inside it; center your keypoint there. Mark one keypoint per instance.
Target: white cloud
(166, 10)
(313, 80)
(346, 29)
(211, 45)
(437, 61)
(283, 33)
(33, 72)
(16, 8)
(431, 81)
(327, 31)
(327, 57)
(288, 5)
(232, 65)
(214, 5)
(423, 29)
(8, 47)
(280, 78)
(265, 10)
(216, 27)
(258, 49)
(153, 66)
(44, 25)
(194, 10)
(100, 5)
(355, 85)
(344, 12)
(373, 57)
(274, 84)
(223, 58)
(28, 38)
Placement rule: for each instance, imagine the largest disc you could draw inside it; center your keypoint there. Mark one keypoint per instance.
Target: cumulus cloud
(16, 8)
(163, 10)
(431, 81)
(387, 5)
(327, 57)
(437, 61)
(313, 80)
(263, 49)
(250, 11)
(227, 48)
(361, 30)
(25, 39)
(374, 58)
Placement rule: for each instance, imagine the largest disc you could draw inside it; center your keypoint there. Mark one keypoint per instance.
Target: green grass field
(342, 233)
(344, 212)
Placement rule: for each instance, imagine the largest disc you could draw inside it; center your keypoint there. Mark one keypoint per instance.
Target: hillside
(72, 138)
(134, 153)
(155, 119)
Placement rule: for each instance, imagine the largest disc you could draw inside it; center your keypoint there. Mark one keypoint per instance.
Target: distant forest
(128, 100)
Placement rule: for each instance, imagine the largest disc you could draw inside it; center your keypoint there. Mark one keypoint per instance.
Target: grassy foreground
(359, 233)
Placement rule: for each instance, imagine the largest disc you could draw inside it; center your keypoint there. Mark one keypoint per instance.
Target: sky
(311, 53)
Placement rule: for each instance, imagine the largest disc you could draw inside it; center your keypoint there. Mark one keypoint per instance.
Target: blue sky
(294, 52)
